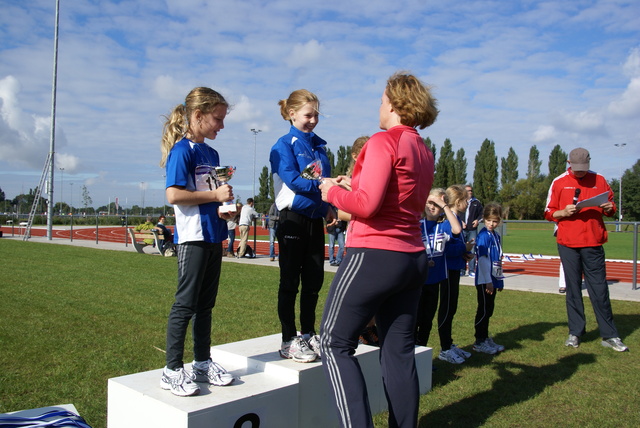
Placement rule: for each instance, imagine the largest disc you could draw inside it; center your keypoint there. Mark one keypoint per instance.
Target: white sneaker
(211, 372)
(450, 356)
(460, 352)
(499, 348)
(179, 382)
(314, 344)
(297, 350)
(485, 347)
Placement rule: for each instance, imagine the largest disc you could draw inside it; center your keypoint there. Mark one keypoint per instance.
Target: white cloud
(544, 133)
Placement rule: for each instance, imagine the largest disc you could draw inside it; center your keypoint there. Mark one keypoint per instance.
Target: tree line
(523, 198)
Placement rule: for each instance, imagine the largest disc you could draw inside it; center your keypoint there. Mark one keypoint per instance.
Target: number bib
(496, 270)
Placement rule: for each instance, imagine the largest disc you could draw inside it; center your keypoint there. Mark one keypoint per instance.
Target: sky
(519, 73)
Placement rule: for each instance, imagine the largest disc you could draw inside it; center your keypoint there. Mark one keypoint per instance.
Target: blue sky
(516, 72)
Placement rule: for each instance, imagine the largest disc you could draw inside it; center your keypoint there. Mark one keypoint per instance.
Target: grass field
(71, 318)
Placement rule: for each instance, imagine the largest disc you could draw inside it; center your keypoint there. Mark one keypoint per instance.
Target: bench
(138, 237)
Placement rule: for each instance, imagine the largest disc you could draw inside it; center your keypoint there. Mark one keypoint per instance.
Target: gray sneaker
(573, 341)
(615, 343)
(297, 350)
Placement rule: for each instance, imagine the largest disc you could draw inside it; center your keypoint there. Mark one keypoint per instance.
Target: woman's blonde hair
(297, 99)
(411, 100)
(356, 148)
(456, 193)
(176, 124)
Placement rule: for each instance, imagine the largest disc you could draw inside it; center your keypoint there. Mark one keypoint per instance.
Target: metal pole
(52, 136)
(618, 227)
(255, 145)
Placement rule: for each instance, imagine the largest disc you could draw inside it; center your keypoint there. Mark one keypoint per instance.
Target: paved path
(535, 275)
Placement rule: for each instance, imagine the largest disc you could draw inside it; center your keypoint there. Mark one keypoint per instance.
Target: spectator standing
(247, 214)
(580, 237)
(472, 218)
(456, 253)
(489, 278)
(336, 230)
(274, 217)
(232, 224)
(438, 227)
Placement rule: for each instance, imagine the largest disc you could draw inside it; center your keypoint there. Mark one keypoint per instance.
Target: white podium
(269, 391)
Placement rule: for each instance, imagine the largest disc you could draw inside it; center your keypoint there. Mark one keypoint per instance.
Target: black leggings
(301, 243)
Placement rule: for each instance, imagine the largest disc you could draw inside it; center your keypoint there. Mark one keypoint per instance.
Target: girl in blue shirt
(489, 278)
(437, 227)
(196, 195)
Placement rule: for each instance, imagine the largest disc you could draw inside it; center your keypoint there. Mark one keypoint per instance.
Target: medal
(431, 263)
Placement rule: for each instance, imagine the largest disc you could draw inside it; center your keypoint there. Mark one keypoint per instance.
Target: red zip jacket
(391, 181)
(586, 227)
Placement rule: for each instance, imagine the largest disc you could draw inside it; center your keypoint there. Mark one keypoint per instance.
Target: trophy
(313, 171)
(223, 175)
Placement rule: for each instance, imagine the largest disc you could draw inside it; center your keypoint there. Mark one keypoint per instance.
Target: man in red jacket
(581, 233)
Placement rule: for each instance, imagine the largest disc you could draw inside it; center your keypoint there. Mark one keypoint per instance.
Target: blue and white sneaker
(179, 382)
(460, 352)
(499, 348)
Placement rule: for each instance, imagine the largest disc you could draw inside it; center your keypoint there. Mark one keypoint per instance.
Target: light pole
(71, 200)
(61, 187)
(620, 145)
(255, 145)
(142, 189)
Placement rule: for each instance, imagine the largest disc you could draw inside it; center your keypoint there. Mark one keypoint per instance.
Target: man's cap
(579, 159)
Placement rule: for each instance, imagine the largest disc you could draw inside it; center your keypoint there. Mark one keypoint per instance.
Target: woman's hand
(344, 182)
(327, 183)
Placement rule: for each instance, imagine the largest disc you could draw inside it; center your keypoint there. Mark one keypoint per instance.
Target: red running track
(524, 264)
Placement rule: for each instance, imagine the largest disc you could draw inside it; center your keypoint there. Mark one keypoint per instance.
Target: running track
(529, 264)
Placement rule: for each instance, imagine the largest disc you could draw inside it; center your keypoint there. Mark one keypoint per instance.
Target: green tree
(86, 199)
(431, 146)
(262, 202)
(332, 159)
(460, 168)
(630, 193)
(557, 162)
(529, 201)
(343, 158)
(485, 173)
(508, 180)
(445, 167)
(533, 166)
(509, 168)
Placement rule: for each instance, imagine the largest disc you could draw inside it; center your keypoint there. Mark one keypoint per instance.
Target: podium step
(269, 391)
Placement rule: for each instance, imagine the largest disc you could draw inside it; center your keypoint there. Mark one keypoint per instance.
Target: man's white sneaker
(179, 382)
(485, 347)
(450, 356)
(499, 348)
(314, 344)
(460, 352)
(297, 350)
(211, 372)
